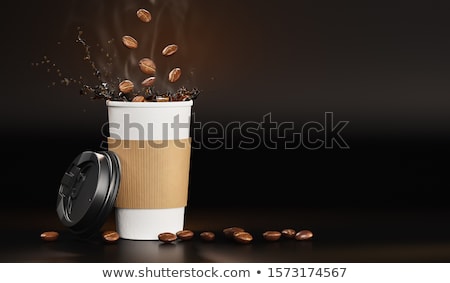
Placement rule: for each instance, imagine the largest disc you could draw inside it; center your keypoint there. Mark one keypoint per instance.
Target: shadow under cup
(153, 144)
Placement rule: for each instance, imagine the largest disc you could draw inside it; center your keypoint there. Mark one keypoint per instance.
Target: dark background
(381, 65)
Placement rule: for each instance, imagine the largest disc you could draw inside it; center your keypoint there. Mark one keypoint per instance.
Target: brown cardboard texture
(154, 174)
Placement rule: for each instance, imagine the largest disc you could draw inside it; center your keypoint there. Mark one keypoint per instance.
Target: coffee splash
(124, 56)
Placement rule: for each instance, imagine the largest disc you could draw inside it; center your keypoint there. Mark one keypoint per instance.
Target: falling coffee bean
(185, 235)
(303, 235)
(272, 235)
(207, 236)
(174, 75)
(144, 15)
(242, 237)
(147, 66)
(148, 81)
(169, 50)
(167, 237)
(288, 233)
(110, 236)
(129, 42)
(50, 236)
(126, 86)
(138, 98)
(231, 230)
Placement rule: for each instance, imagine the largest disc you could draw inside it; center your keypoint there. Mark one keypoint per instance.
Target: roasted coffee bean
(126, 86)
(144, 15)
(231, 230)
(50, 236)
(288, 233)
(184, 98)
(185, 235)
(138, 98)
(147, 66)
(169, 50)
(110, 236)
(162, 99)
(207, 236)
(174, 75)
(272, 235)
(148, 81)
(242, 237)
(167, 237)
(303, 235)
(129, 41)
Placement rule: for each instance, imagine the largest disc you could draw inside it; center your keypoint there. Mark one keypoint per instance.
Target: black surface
(370, 203)
(339, 236)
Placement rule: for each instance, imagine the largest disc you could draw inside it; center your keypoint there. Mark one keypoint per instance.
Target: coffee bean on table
(242, 237)
(167, 237)
(207, 236)
(110, 236)
(144, 15)
(231, 230)
(185, 235)
(288, 233)
(303, 235)
(272, 235)
(50, 236)
(130, 42)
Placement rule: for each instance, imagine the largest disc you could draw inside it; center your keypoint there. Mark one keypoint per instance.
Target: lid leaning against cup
(88, 191)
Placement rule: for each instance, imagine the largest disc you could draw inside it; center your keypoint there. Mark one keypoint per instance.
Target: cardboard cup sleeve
(154, 174)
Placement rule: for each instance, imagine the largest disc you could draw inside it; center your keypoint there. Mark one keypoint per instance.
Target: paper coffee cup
(152, 142)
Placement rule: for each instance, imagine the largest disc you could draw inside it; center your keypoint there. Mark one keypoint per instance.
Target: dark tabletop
(343, 235)
(372, 203)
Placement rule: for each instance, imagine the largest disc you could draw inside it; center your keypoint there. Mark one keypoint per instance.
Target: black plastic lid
(88, 191)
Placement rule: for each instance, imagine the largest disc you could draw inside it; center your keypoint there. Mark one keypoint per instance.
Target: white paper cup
(152, 141)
